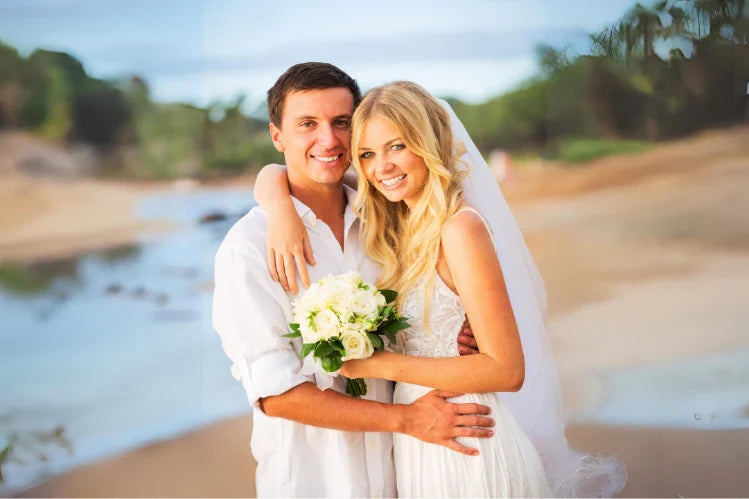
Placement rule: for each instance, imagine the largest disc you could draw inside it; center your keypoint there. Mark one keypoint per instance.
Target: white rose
(309, 335)
(357, 345)
(353, 279)
(327, 324)
(364, 303)
(340, 301)
(380, 299)
(317, 295)
(301, 312)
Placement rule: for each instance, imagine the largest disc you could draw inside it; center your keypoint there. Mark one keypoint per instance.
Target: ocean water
(709, 392)
(105, 352)
(115, 349)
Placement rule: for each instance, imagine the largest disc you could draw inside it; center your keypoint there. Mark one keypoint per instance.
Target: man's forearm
(309, 405)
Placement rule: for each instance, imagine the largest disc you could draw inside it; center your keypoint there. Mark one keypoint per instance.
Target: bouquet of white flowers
(341, 318)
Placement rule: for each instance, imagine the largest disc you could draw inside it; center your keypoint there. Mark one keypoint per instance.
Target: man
(310, 440)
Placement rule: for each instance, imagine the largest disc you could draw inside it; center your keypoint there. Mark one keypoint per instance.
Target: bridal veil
(538, 405)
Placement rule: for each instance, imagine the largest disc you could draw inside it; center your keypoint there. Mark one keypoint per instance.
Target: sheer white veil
(538, 405)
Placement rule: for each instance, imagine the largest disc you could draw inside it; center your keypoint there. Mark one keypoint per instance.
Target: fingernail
(491, 433)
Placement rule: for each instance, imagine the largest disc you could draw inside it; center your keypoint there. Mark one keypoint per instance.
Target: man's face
(314, 135)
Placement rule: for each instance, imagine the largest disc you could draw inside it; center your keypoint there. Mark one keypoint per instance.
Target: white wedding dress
(507, 465)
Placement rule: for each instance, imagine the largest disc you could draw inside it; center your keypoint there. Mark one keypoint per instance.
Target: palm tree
(647, 27)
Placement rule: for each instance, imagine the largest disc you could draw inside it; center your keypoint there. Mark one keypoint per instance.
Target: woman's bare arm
(287, 242)
(478, 280)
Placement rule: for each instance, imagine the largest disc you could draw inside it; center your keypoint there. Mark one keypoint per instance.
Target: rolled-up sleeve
(248, 314)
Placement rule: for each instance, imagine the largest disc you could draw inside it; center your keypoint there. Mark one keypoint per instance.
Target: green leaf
(331, 364)
(307, 348)
(389, 295)
(323, 349)
(338, 346)
(393, 327)
(295, 332)
(386, 312)
(377, 342)
(391, 337)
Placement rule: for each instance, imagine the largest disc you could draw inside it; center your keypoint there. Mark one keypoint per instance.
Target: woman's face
(387, 163)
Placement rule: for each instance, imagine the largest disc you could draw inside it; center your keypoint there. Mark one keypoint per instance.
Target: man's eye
(307, 124)
(366, 155)
(343, 123)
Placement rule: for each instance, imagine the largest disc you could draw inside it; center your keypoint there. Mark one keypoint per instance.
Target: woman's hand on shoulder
(288, 247)
(287, 241)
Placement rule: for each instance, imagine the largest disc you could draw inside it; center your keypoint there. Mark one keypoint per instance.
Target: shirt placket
(372, 441)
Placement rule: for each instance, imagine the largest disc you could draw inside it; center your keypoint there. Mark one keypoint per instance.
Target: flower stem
(356, 387)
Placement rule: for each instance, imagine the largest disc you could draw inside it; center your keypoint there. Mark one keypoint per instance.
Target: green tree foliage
(50, 93)
(235, 141)
(662, 70)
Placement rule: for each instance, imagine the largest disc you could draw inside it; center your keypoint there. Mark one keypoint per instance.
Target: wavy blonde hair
(406, 243)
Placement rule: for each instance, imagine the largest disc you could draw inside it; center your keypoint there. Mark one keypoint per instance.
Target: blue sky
(198, 52)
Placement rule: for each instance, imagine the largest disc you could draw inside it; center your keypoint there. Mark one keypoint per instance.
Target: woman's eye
(397, 147)
(366, 155)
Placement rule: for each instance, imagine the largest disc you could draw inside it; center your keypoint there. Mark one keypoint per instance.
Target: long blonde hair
(406, 243)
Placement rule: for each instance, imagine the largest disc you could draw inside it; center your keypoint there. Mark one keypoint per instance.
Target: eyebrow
(312, 117)
(396, 139)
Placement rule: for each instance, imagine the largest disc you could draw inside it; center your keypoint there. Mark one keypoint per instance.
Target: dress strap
(474, 210)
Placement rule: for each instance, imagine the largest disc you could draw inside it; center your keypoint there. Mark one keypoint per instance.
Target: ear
(277, 137)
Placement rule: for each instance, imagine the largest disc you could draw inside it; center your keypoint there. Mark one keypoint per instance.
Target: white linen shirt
(251, 313)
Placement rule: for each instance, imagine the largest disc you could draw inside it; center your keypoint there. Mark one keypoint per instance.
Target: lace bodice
(446, 316)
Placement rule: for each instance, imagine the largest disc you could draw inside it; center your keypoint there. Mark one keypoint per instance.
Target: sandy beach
(215, 462)
(642, 257)
(56, 214)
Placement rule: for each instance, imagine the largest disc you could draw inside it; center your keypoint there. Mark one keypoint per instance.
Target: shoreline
(45, 219)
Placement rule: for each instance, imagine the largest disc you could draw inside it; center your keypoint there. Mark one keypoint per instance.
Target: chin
(392, 198)
(329, 178)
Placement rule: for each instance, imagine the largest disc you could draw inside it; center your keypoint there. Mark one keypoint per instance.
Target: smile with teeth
(327, 159)
(392, 182)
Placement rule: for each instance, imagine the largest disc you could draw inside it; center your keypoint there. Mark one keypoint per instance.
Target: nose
(326, 136)
(383, 164)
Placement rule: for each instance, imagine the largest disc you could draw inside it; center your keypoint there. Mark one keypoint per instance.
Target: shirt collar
(310, 220)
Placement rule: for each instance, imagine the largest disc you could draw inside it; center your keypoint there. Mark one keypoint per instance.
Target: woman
(440, 254)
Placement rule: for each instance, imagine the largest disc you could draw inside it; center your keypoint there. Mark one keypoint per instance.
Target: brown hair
(307, 76)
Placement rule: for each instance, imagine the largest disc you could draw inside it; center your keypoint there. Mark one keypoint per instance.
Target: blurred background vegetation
(658, 72)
